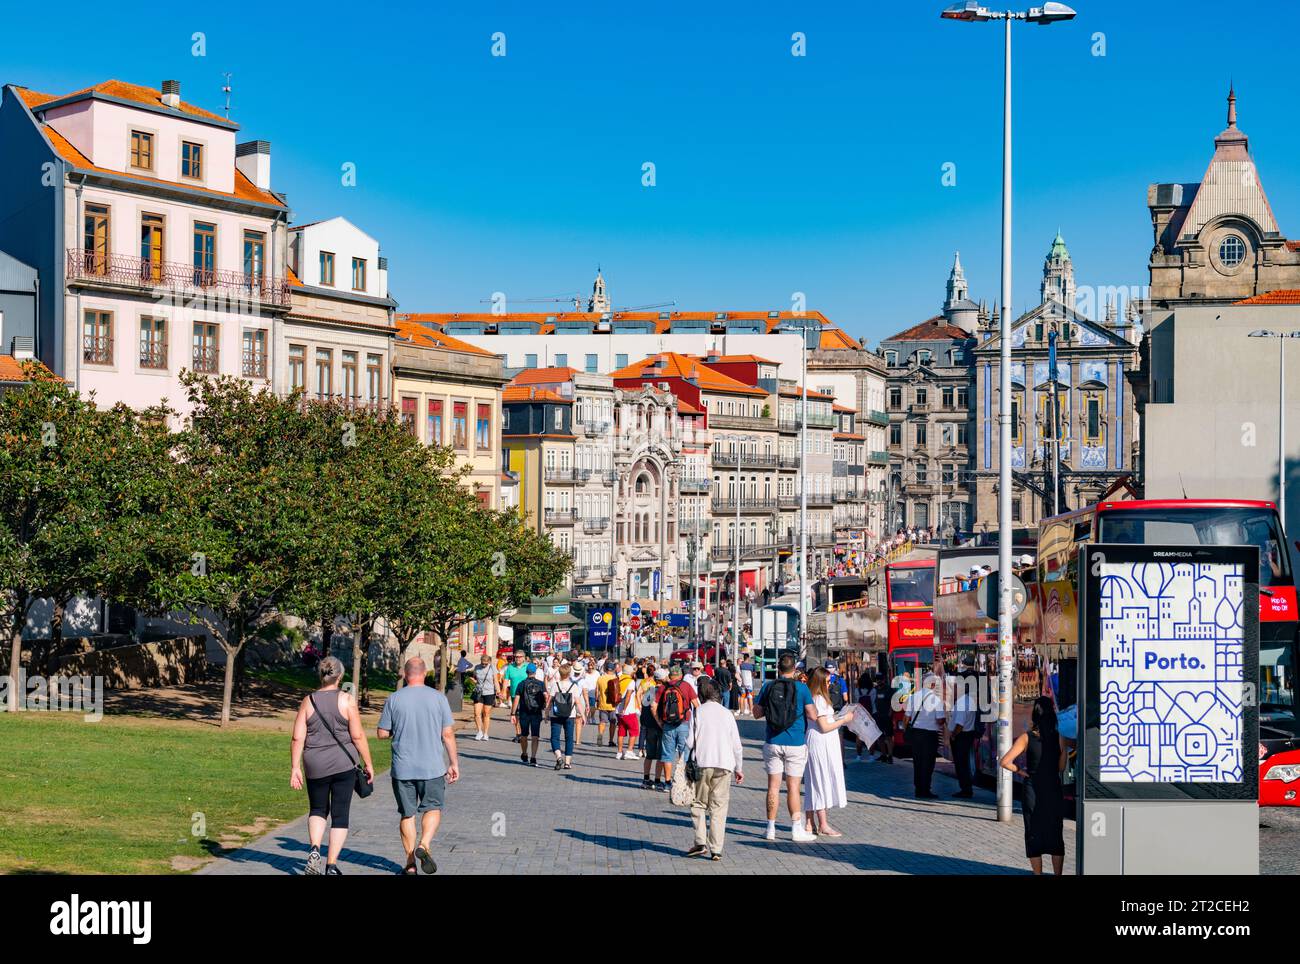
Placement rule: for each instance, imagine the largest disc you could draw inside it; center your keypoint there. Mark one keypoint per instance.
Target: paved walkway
(505, 818)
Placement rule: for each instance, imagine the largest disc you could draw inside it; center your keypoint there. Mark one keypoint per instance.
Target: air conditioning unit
(23, 348)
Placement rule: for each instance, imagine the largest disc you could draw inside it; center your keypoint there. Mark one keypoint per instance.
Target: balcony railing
(724, 459)
(97, 350)
(128, 271)
(592, 427)
(788, 461)
(877, 417)
(742, 422)
(153, 355)
(878, 458)
(560, 475)
(560, 517)
(820, 498)
(723, 506)
(919, 408)
(205, 360)
(254, 364)
(595, 525)
(694, 485)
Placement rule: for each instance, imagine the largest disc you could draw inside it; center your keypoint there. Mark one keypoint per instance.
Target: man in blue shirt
(418, 721)
(786, 704)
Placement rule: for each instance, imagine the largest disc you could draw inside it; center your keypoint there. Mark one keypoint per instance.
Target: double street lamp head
(1266, 333)
(973, 12)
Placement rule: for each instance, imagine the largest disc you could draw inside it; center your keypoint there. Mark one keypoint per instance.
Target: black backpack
(532, 695)
(779, 707)
(671, 710)
(562, 702)
(836, 690)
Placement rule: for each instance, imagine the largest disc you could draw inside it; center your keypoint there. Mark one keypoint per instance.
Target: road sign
(654, 583)
(561, 609)
(636, 609)
(635, 622)
(602, 627)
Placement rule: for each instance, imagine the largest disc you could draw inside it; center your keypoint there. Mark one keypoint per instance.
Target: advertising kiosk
(1168, 769)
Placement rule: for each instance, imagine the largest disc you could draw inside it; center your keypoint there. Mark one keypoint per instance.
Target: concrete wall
(1218, 438)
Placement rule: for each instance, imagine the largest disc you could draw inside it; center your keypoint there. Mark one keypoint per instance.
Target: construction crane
(662, 304)
(574, 298)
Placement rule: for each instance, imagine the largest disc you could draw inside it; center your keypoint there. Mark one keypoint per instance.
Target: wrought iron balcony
(560, 517)
(127, 271)
(595, 525)
(254, 364)
(205, 359)
(153, 355)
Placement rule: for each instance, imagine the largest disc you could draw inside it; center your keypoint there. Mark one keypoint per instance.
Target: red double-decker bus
(909, 603)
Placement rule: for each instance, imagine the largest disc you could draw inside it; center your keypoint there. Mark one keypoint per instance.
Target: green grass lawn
(120, 795)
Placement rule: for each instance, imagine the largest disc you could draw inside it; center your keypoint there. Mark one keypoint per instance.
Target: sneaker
(314, 863)
(559, 764)
(799, 834)
(699, 850)
(646, 784)
(333, 871)
(633, 755)
(715, 857)
(618, 755)
(533, 761)
(659, 786)
(770, 834)
(523, 758)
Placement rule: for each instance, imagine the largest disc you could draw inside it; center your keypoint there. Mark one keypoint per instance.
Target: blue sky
(774, 173)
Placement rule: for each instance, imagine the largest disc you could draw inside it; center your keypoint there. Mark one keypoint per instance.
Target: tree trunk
(360, 637)
(442, 670)
(15, 664)
(228, 688)
(51, 655)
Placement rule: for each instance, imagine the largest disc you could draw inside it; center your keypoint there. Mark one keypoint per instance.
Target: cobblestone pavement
(595, 819)
(1279, 840)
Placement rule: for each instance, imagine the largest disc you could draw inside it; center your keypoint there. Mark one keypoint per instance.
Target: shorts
(419, 796)
(747, 687)
(785, 760)
(629, 725)
(486, 699)
(653, 740)
(672, 742)
(591, 701)
(530, 724)
(607, 716)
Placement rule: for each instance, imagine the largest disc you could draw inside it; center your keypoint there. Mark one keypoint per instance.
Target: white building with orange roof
(159, 241)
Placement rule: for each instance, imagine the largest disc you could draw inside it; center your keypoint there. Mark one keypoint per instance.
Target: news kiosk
(1168, 760)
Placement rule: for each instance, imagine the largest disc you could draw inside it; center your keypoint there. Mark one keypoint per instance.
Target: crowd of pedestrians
(680, 721)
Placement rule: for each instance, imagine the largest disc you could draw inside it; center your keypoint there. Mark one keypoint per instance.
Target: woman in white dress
(823, 777)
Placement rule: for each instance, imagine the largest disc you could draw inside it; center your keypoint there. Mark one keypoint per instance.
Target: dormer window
(891, 359)
(142, 150)
(1232, 251)
(923, 357)
(192, 160)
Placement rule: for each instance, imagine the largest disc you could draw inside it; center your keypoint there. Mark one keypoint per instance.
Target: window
(254, 257)
(408, 413)
(151, 246)
(374, 379)
(561, 361)
(891, 359)
(921, 433)
(895, 398)
(922, 396)
(142, 150)
(1015, 507)
(350, 381)
(559, 418)
(324, 372)
(948, 473)
(592, 364)
(896, 433)
(192, 160)
(297, 366)
(153, 342)
(620, 361)
(1017, 402)
(1038, 331)
(1093, 406)
(947, 396)
(254, 353)
(483, 428)
(205, 253)
(922, 473)
(923, 356)
(530, 361)
(205, 357)
(435, 421)
(327, 268)
(358, 274)
(97, 338)
(1232, 251)
(963, 398)
(961, 433)
(96, 239)
(460, 425)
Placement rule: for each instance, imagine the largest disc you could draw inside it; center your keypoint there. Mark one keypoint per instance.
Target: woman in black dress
(1044, 801)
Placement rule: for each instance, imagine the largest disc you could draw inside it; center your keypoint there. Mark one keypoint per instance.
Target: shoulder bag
(364, 787)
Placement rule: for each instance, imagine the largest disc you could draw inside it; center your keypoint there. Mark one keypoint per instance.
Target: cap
(661, 674)
(531, 668)
(974, 569)
(829, 664)
(697, 665)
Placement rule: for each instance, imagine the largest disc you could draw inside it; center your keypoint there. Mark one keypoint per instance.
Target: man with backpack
(674, 701)
(526, 710)
(627, 710)
(836, 685)
(786, 704)
(607, 694)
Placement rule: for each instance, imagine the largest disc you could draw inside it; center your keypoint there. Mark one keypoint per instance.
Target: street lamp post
(1281, 413)
(971, 11)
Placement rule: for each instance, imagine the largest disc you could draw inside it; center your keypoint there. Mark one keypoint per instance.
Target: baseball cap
(531, 668)
(661, 673)
(829, 664)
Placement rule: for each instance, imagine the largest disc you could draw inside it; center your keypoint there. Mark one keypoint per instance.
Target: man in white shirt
(925, 724)
(965, 712)
(715, 746)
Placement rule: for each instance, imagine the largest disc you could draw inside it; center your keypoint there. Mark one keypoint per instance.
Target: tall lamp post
(972, 12)
(1281, 413)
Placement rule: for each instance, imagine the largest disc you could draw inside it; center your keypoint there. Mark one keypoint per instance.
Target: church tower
(599, 301)
(958, 309)
(1058, 275)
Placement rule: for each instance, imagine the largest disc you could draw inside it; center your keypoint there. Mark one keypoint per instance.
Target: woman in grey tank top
(328, 742)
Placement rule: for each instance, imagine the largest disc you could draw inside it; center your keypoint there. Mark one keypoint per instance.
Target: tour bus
(1224, 522)
(909, 604)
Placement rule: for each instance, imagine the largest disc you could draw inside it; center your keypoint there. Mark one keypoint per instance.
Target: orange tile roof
(832, 337)
(794, 393)
(294, 281)
(837, 407)
(850, 437)
(531, 393)
(543, 376)
(11, 370)
(1282, 296)
(123, 91)
(935, 327)
(686, 408)
(676, 365)
(720, 359)
(427, 338)
(245, 190)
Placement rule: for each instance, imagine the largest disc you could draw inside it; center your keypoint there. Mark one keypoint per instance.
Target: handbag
(363, 786)
(693, 771)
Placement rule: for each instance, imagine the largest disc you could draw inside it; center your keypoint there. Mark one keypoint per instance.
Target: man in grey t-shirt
(418, 720)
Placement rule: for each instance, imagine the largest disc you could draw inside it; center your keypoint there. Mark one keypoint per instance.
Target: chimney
(253, 159)
(171, 93)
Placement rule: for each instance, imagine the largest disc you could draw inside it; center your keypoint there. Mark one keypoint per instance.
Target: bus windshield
(1204, 526)
(911, 587)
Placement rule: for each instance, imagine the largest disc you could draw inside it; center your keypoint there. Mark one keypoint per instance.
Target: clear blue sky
(775, 173)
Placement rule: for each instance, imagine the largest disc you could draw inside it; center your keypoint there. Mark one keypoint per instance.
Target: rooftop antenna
(1181, 485)
(225, 89)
